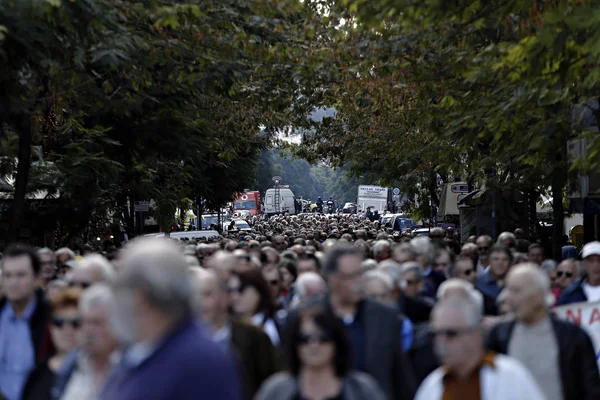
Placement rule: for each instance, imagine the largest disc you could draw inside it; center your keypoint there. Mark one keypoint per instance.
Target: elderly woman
(319, 361)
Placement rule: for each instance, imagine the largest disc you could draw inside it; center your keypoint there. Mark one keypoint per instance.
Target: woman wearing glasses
(319, 362)
(64, 330)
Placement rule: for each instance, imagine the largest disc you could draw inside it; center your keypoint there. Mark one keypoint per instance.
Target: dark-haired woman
(319, 361)
(252, 302)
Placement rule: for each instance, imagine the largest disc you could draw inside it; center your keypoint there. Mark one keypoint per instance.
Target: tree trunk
(559, 181)
(24, 164)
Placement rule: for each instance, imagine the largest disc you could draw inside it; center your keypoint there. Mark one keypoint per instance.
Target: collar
(427, 271)
(487, 360)
(27, 313)
(138, 353)
(223, 334)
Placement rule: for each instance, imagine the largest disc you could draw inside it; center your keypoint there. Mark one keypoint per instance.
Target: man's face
(413, 284)
(213, 301)
(522, 297)
(592, 267)
(347, 282)
(455, 341)
(483, 245)
(271, 275)
(279, 243)
(442, 262)
(97, 338)
(565, 273)
(376, 290)
(465, 270)
(499, 264)
(18, 279)
(48, 265)
(536, 255)
(402, 256)
(386, 253)
(306, 266)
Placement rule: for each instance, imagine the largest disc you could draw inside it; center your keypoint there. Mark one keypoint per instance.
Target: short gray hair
(96, 260)
(469, 307)
(394, 271)
(506, 236)
(99, 294)
(368, 264)
(159, 271)
(412, 266)
(45, 251)
(380, 276)
(422, 246)
(304, 280)
(380, 246)
(460, 284)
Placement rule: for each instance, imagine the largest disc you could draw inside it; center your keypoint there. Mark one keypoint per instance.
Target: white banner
(374, 192)
(587, 316)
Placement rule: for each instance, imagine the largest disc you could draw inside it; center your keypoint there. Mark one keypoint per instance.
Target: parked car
(240, 225)
(349, 208)
(420, 232)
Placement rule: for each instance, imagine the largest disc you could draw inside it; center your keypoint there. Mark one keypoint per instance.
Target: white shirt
(268, 327)
(591, 292)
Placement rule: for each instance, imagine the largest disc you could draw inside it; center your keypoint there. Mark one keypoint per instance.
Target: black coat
(385, 361)
(421, 354)
(577, 357)
(416, 309)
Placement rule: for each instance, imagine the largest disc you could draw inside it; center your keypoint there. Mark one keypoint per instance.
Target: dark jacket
(186, 365)
(573, 293)
(416, 309)
(38, 326)
(39, 383)
(421, 354)
(431, 282)
(577, 357)
(384, 359)
(256, 355)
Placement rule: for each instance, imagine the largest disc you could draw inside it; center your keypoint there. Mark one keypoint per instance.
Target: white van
(187, 235)
(287, 201)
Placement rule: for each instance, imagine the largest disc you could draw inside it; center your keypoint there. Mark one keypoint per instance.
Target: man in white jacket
(468, 371)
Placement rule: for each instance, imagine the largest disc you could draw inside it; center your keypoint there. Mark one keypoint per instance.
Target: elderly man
(586, 289)
(564, 275)
(535, 253)
(170, 356)
(382, 250)
(425, 252)
(403, 252)
(85, 370)
(484, 246)
(468, 371)
(547, 346)
(48, 264)
(223, 263)
(91, 269)
(250, 346)
(309, 285)
(308, 263)
(464, 268)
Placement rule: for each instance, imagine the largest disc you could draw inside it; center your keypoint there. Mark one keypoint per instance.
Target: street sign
(141, 206)
(396, 191)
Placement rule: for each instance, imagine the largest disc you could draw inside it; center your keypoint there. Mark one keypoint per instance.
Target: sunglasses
(83, 285)
(451, 333)
(559, 274)
(320, 338)
(60, 322)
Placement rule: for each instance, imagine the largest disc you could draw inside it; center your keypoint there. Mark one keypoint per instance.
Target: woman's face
(287, 278)
(245, 300)
(315, 347)
(65, 329)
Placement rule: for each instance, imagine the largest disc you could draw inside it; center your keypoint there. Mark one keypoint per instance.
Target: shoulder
(510, 367)
(374, 309)
(366, 384)
(432, 386)
(574, 288)
(279, 386)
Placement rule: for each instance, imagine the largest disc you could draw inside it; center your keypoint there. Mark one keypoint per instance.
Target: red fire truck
(249, 200)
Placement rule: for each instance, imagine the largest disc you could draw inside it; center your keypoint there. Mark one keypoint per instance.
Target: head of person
(459, 288)
(507, 239)
(48, 264)
(93, 268)
(528, 291)
(244, 260)
(549, 267)
(382, 250)
(317, 341)
(250, 294)
(459, 336)
(63, 255)
(308, 263)
(288, 272)
(472, 239)
(393, 270)
(464, 268)
(270, 257)
(310, 285)
(95, 307)
(274, 279)
(379, 287)
(565, 273)
(55, 286)
(437, 233)
(590, 255)
(484, 244)
(223, 264)
(443, 261)
(519, 234)
(424, 251)
(279, 243)
(20, 271)
(500, 261)
(536, 253)
(211, 300)
(412, 273)
(403, 252)
(66, 320)
(152, 292)
(344, 273)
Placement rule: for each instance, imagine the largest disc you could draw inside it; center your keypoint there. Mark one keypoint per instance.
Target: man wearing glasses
(468, 371)
(484, 243)
(566, 273)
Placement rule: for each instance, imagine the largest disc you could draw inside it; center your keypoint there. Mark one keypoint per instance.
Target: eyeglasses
(83, 285)
(320, 338)
(559, 274)
(60, 322)
(452, 333)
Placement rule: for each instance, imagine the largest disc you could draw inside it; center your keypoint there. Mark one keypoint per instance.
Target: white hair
(541, 280)
(380, 246)
(466, 304)
(158, 270)
(99, 294)
(65, 250)
(306, 279)
(394, 271)
(506, 236)
(380, 276)
(422, 246)
(368, 264)
(459, 284)
(412, 266)
(192, 261)
(107, 271)
(44, 251)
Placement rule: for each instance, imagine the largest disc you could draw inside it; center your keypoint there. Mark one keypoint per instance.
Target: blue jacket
(573, 294)
(187, 365)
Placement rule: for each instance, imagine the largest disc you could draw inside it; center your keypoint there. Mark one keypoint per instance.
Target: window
(245, 205)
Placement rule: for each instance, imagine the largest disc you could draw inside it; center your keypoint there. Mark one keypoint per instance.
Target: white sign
(373, 192)
(586, 315)
(141, 206)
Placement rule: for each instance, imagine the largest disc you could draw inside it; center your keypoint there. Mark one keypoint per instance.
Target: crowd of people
(299, 308)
